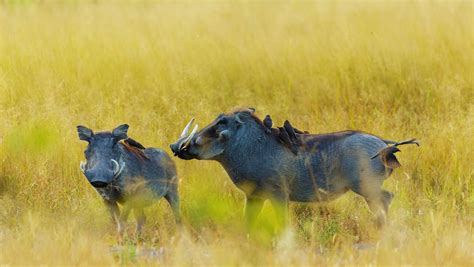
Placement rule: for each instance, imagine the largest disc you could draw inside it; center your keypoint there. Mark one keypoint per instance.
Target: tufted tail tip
(387, 154)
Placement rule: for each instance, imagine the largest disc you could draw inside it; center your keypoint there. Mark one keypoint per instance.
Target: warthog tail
(388, 153)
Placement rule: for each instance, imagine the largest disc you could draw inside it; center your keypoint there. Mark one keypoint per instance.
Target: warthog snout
(185, 139)
(99, 176)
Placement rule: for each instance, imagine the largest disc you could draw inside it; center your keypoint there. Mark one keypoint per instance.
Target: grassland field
(398, 69)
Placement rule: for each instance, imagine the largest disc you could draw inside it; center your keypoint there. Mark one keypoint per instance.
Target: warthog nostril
(99, 184)
(174, 148)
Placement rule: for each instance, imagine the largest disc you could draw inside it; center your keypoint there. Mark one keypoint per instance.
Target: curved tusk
(186, 141)
(186, 129)
(117, 168)
(82, 166)
(121, 169)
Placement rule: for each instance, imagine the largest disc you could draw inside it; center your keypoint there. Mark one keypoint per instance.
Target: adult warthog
(284, 164)
(126, 173)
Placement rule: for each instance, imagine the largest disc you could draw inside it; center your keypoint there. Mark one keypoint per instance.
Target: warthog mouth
(99, 184)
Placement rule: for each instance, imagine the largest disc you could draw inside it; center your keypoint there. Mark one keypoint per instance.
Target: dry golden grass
(398, 70)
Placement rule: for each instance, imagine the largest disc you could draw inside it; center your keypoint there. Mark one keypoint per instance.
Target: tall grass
(396, 69)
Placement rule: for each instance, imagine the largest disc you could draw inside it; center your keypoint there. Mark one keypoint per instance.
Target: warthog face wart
(102, 155)
(210, 142)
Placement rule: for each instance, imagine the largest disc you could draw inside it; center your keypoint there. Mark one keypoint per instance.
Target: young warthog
(284, 164)
(126, 173)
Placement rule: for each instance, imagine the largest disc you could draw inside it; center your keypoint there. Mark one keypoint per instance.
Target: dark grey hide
(305, 168)
(126, 173)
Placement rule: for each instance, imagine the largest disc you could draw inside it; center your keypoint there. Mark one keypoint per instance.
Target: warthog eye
(220, 125)
(87, 153)
(223, 121)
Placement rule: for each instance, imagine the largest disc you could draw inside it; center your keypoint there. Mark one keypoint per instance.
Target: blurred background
(395, 69)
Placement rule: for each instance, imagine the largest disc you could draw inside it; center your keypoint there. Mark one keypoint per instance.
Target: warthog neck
(254, 155)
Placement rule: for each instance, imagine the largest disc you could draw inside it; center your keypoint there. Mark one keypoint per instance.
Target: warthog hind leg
(379, 205)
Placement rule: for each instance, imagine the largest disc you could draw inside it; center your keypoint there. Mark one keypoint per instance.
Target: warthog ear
(241, 116)
(120, 132)
(85, 133)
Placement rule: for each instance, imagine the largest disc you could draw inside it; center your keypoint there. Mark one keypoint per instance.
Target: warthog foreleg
(122, 222)
(253, 206)
(113, 209)
(140, 217)
(281, 206)
(118, 217)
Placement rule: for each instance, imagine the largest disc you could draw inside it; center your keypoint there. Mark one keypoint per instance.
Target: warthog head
(214, 139)
(102, 155)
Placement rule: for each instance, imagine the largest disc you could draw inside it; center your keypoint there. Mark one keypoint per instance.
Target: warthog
(285, 164)
(126, 173)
